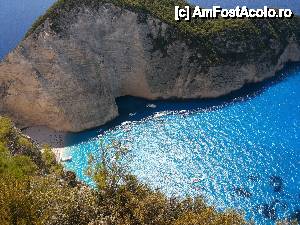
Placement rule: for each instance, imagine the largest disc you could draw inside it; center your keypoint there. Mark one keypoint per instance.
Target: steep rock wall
(69, 81)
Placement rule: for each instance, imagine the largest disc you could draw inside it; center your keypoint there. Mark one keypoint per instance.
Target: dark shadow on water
(135, 109)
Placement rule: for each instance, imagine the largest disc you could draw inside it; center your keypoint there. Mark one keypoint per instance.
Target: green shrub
(28, 196)
(17, 143)
(124, 200)
(50, 162)
(15, 166)
(48, 156)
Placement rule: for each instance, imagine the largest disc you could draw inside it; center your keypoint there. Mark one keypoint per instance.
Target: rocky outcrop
(69, 81)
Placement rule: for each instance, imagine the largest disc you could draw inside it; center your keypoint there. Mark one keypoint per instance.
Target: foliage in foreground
(30, 194)
(34, 190)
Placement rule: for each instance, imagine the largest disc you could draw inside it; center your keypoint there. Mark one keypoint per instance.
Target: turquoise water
(241, 151)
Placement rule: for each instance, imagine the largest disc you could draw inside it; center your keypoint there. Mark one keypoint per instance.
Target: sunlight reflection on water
(242, 155)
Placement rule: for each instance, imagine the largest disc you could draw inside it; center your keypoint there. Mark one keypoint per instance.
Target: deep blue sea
(16, 16)
(240, 151)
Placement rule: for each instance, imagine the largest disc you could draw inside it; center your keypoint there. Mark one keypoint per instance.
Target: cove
(240, 151)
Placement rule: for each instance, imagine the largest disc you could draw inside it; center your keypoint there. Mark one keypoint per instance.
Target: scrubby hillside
(212, 36)
(34, 190)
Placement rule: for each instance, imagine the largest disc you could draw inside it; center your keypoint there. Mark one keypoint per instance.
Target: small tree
(111, 170)
(123, 200)
(49, 159)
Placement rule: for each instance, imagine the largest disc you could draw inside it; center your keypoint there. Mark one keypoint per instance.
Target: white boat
(67, 159)
(126, 123)
(151, 106)
(132, 114)
(159, 114)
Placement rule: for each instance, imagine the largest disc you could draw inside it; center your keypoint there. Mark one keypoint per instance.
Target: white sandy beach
(44, 135)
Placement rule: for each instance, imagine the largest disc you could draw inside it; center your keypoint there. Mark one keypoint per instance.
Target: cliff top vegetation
(219, 39)
(162, 9)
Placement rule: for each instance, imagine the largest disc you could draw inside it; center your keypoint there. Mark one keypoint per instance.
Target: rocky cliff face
(69, 81)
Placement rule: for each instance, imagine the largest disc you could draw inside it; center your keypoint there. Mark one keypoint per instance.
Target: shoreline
(42, 135)
(60, 154)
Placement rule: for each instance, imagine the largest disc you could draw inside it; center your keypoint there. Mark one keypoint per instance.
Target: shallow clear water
(239, 149)
(240, 152)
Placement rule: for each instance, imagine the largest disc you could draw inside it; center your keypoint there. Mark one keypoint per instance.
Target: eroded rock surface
(69, 81)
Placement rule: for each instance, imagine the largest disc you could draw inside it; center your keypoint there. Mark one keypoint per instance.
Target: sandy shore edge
(43, 135)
